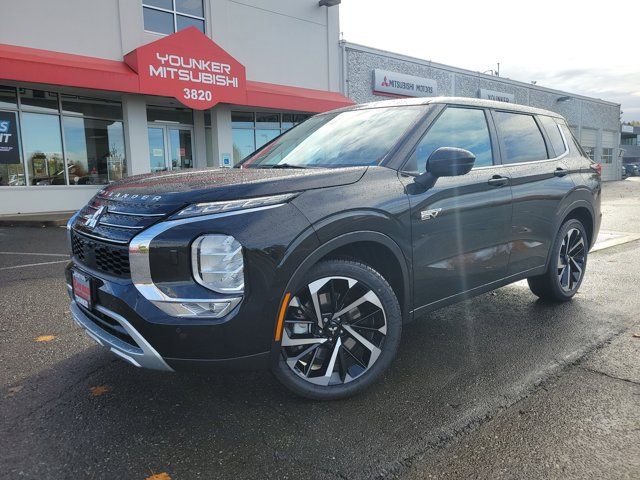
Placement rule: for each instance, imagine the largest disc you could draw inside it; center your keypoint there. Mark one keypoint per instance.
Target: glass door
(180, 148)
(170, 147)
(157, 159)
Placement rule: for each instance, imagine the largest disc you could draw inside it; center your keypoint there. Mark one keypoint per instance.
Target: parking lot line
(33, 264)
(36, 254)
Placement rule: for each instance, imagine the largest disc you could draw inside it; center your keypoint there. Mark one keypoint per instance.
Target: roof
(474, 102)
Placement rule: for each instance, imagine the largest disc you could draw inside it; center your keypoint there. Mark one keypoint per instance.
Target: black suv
(310, 255)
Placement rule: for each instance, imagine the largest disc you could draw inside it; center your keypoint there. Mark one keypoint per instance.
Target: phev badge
(429, 214)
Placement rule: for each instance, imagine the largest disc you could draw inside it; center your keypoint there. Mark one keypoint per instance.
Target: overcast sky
(583, 47)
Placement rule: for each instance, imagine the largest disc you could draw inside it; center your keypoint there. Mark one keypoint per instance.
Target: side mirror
(450, 162)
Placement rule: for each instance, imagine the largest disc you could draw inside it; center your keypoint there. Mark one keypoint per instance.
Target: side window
(455, 127)
(554, 135)
(522, 140)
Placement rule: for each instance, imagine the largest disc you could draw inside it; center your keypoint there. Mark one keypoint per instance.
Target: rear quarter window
(520, 137)
(552, 130)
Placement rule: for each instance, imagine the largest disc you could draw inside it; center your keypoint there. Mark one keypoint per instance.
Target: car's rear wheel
(567, 265)
(341, 331)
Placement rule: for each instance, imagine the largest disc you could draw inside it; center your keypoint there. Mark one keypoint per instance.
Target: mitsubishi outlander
(309, 256)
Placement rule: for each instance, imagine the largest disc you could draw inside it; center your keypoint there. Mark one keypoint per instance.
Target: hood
(210, 185)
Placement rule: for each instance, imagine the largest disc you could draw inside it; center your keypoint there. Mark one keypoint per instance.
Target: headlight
(220, 207)
(218, 264)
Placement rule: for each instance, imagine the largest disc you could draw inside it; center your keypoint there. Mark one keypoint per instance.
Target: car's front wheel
(567, 265)
(341, 331)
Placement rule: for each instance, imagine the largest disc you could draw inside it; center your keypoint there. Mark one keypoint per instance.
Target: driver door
(460, 224)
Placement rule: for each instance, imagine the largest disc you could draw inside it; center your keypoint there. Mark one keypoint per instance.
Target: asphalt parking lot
(69, 409)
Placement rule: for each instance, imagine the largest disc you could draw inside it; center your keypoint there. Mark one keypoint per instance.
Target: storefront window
(91, 107)
(94, 150)
(43, 149)
(607, 155)
(251, 130)
(290, 120)
(8, 97)
(38, 101)
(93, 139)
(183, 116)
(243, 143)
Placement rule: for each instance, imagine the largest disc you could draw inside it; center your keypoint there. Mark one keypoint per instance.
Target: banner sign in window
(9, 149)
(394, 83)
(497, 96)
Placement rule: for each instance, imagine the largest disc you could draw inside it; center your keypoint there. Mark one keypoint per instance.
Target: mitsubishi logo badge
(92, 221)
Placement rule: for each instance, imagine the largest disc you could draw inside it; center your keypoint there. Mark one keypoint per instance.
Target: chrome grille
(118, 222)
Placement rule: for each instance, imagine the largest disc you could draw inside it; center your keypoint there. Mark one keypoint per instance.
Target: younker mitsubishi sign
(497, 96)
(386, 82)
(190, 67)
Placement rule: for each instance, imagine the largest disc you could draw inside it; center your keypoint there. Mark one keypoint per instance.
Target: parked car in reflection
(631, 170)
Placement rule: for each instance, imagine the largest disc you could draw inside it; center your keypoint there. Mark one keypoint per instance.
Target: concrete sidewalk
(583, 423)
(55, 219)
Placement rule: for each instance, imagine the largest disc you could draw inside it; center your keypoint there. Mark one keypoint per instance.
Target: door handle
(498, 181)
(560, 172)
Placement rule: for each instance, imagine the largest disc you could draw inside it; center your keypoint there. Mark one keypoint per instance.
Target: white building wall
(83, 27)
(288, 42)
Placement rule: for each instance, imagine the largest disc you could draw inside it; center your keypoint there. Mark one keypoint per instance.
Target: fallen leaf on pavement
(13, 390)
(636, 335)
(44, 338)
(99, 390)
(159, 476)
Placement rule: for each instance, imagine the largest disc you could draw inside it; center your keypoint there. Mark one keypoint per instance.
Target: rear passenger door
(533, 150)
(460, 224)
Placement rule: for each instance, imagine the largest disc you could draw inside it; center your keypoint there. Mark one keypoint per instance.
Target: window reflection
(94, 151)
(43, 148)
(455, 127)
(521, 137)
(358, 137)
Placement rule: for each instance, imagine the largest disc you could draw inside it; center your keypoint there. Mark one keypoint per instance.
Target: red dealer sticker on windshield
(190, 67)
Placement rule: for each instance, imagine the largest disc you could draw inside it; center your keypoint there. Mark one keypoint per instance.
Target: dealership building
(99, 90)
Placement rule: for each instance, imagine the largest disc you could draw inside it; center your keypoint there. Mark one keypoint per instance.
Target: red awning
(24, 64)
(270, 95)
(33, 65)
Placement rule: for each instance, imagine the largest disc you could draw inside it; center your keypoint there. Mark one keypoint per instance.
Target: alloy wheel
(334, 331)
(571, 260)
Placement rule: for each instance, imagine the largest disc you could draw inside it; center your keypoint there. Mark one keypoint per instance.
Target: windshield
(346, 139)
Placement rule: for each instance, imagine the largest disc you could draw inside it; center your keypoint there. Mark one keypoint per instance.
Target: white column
(221, 131)
(136, 138)
(200, 146)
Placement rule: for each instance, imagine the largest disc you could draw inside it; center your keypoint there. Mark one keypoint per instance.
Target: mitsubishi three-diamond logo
(93, 220)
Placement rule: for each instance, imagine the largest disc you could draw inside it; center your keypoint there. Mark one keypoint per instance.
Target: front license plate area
(82, 289)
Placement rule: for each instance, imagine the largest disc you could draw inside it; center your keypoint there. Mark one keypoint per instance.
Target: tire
(354, 346)
(567, 264)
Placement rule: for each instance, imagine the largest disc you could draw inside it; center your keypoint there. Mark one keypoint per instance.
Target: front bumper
(141, 354)
(135, 330)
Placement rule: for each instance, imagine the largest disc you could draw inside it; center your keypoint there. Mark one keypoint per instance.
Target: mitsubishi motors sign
(394, 83)
(190, 67)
